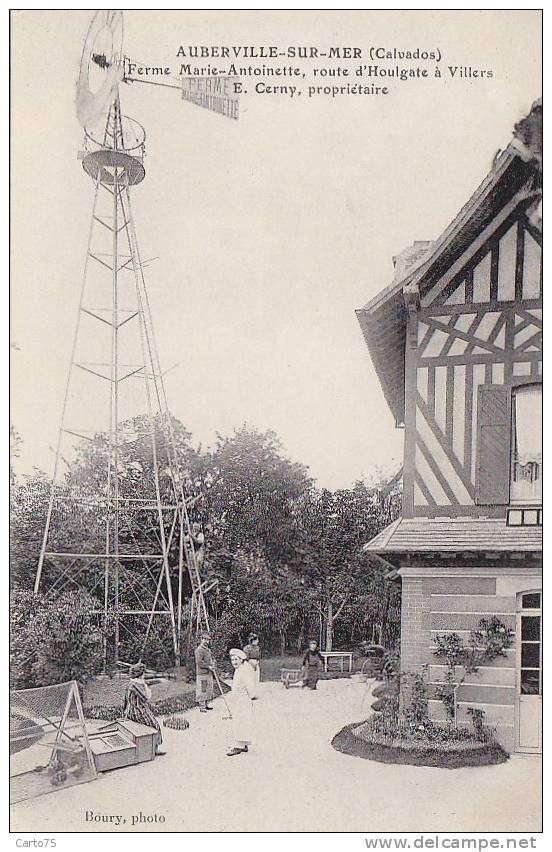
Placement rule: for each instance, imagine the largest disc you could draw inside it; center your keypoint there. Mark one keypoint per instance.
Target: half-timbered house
(456, 341)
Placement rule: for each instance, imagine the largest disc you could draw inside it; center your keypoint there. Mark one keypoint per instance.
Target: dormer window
(526, 474)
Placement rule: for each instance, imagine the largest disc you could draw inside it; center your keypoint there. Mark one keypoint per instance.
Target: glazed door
(530, 673)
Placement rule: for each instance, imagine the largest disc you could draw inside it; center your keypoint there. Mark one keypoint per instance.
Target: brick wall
(432, 605)
(415, 623)
(417, 619)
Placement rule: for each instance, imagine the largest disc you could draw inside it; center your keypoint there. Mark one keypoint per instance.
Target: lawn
(110, 692)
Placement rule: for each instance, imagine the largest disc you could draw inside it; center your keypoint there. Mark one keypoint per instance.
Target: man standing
(205, 666)
(253, 652)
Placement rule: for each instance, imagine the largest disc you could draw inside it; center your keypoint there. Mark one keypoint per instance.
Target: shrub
(416, 711)
(413, 728)
(175, 704)
(53, 639)
(477, 715)
(445, 749)
(68, 639)
(24, 605)
(446, 693)
(489, 640)
(387, 694)
(178, 723)
(423, 734)
(157, 651)
(109, 714)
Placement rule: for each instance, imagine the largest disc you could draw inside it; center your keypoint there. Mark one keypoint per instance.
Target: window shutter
(494, 426)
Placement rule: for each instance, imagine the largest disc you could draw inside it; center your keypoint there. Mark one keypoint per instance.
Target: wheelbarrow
(291, 677)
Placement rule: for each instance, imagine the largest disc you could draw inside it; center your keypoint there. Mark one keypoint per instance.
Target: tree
(251, 505)
(251, 523)
(29, 505)
(281, 554)
(341, 580)
(244, 494)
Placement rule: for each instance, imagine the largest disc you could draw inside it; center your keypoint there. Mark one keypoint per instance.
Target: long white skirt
(241, 705)
(255, 677)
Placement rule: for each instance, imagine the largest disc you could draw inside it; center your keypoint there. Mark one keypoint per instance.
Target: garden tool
(222, 694)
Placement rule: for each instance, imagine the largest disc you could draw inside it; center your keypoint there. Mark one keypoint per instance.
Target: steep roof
(383, 319)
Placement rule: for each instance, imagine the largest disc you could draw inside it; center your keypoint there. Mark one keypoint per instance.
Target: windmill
(115, 373)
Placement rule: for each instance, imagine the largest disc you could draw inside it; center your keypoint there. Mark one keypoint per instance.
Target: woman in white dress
(243, 689)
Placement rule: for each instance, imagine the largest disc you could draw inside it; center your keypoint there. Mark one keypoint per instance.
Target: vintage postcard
(276, 422)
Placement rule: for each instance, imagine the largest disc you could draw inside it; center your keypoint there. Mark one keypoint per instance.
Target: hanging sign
(218, 94)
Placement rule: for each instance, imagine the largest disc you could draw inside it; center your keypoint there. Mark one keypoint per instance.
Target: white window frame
(528, 499)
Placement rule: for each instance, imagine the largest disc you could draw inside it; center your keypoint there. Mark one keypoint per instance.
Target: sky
(269, 231)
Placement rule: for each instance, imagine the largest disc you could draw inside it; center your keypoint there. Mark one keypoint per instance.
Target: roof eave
(380, 307)
(394, 400)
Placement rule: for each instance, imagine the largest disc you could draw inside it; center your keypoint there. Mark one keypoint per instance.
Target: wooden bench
(341, 655)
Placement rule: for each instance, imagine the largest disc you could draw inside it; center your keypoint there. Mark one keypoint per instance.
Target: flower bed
(410, 736)
(441, 747)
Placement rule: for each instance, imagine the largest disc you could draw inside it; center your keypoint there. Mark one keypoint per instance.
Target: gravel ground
(293, 780)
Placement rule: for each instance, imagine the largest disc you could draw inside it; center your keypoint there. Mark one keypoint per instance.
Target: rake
(222, 695)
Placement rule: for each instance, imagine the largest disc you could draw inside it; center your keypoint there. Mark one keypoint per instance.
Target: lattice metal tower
(115, 375)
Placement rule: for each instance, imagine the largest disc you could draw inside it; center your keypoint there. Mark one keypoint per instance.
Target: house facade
(456, 341)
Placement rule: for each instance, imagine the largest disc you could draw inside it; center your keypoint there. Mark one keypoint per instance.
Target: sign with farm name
(217, 94)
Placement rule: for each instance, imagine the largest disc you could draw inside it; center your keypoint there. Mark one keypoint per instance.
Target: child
(312, 661)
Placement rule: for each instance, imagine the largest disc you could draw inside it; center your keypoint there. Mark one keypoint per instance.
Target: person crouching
(137, 706)
(241, 698)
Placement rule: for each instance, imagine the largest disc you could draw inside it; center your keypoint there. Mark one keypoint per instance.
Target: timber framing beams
(507, 191)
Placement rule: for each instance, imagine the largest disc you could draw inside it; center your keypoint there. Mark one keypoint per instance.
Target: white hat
(235, 652)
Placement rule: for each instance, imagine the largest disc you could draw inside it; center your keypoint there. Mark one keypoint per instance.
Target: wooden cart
(291, 677)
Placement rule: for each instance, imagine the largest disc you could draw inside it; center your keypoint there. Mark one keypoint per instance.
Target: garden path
(292, 780)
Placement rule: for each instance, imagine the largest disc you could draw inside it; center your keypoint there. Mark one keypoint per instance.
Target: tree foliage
(286, 558)
(53, 639)
(343, 583)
